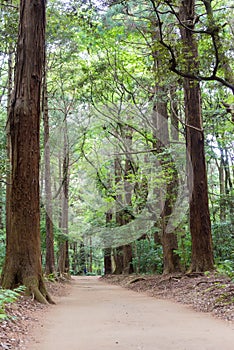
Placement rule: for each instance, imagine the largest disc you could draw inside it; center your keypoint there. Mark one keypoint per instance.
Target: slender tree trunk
(90, 255)
(161, 143)
(171, 262)
(63, 263)
(118, 252)
(1, 205)
(174, 111)
(50, 262)
(222, 188)
(128, 190)
(23, 251)
(200, 225)
(82, 259)
(107, 251)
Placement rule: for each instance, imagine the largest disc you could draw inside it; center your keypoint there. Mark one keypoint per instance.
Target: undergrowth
(8, 296)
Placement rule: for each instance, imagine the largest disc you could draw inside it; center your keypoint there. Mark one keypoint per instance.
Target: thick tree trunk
(50, 262)
(107, 261)
(23, 251)
(8, 145)
(200, 225)
(118, 258)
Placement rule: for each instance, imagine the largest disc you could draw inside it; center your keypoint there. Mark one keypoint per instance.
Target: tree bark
(23, 251)
(107, 251)
(171, 262)
(8, 144)
(50, 262)
(200, 225)
(63, 262)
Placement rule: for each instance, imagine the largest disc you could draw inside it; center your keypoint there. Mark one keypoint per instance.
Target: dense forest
(116, 144)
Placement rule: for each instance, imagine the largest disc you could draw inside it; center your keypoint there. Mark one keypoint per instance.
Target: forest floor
(213, 294)
(24, 316)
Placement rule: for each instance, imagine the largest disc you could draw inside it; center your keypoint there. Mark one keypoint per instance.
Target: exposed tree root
(38, 289)
(137, 279)
(35, 285)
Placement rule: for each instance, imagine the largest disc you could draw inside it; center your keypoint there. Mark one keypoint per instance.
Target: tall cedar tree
(200, 225)
(23, 251)
(50, 262)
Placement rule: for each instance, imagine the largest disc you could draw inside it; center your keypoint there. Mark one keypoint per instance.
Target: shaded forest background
(136, 136)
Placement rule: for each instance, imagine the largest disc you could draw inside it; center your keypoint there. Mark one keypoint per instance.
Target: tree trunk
(118, 259)
(222, 204)
(128, 190)
(8, 144)
(63, 263)
(75, 262)
(161, 143)
(50, 262)
(23, 251)
(82, 259)
(174, 114)
(123, 254)
(171, 262)
(90, 255)
(107, 251)
(200, 225)
(107, 261)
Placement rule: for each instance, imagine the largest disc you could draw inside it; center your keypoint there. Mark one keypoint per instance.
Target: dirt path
(99, 316)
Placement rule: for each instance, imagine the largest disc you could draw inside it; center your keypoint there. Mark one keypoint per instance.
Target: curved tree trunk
(23, 252)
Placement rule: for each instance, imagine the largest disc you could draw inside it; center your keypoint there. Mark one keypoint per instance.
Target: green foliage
(223, 242)
(148, 257)
(8, 296)
(226, 268)
(184, 248)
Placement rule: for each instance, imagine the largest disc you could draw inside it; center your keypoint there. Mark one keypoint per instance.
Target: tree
(200, 225)
(50, 262)
(23, 251)
(63, 261)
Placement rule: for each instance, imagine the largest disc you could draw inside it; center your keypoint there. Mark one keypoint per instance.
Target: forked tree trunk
(200, 225)
(23, 251)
